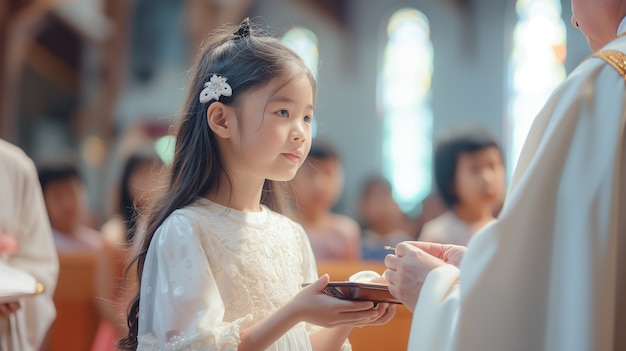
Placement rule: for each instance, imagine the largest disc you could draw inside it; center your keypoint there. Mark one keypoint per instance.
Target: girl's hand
(313, 306)
(388, 311)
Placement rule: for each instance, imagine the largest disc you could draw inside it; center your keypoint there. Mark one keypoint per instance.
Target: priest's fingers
(392, 262)
(407, 293)
(391, 276)
(432, 248)
(405, 248)
(452, 254)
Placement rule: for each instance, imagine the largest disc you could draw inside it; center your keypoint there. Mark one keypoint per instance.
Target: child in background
(316, 188)
(65, 197)
(383, 221)
(470, 176)
(218, 268)
(137, 186)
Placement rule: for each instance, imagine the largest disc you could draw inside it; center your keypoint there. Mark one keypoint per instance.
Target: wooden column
(114, 62)
(17, 29)
(4, 34)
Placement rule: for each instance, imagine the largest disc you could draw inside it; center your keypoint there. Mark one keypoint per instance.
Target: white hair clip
(215, 88)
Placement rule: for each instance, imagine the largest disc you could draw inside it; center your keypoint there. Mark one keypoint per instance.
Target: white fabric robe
(545, 275)
(23, 214)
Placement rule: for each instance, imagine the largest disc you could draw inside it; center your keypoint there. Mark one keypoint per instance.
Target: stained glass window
(304, 43)
(405, 81)
(536, 67)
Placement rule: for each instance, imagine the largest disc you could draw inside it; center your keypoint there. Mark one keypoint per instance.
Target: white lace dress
(212, 271)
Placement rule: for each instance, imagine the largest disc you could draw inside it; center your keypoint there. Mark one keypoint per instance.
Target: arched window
(536, 68)
(405, 81)
(304, 43)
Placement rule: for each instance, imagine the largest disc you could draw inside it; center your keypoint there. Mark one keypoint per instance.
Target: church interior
(87, 82)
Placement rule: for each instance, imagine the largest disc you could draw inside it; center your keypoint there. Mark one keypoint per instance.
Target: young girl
(218, 268)
(470, 176)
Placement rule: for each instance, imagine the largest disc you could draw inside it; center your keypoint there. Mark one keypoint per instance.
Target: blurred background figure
(138, 185)
(383, 221)
(470, 177)
(65, 197)
(26, 244)
(430, 208)
(316, 189)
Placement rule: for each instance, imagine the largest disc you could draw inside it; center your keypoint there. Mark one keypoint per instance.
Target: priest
(550, 272)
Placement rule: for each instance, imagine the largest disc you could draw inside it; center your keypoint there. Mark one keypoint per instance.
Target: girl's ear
(220, 118)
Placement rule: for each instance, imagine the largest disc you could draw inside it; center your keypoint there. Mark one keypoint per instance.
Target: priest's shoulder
(614, 54)
(615, 59)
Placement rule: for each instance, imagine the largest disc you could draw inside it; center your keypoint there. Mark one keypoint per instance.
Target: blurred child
(383, 221)
(65, 197)
(218, 268)
(138, 183)
(316, 188)
(470, 176)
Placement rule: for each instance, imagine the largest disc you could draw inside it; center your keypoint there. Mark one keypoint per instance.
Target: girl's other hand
(313, 306)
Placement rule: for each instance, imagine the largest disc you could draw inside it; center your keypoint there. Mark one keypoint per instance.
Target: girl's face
(480, 178)
(595, 18)
(273, 135)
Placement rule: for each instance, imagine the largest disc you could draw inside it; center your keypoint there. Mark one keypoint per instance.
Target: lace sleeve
(181, 307)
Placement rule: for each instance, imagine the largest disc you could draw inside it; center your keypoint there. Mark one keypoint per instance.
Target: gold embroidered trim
(614, 58)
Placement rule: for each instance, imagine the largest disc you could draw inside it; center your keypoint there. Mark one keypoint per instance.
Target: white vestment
(23, 215)
(549, 273)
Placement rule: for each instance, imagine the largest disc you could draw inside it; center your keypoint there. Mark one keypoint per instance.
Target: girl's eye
(283, 113)
(308, 119)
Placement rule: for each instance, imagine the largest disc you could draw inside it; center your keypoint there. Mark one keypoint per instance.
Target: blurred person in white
(27, 238)
(550, 272)
(470, 178)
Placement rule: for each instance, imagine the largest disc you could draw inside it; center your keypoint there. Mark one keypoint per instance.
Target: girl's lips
(292, 157)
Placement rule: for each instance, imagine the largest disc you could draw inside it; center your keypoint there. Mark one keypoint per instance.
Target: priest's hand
(6, 309)
(407, 271)
(452, 254)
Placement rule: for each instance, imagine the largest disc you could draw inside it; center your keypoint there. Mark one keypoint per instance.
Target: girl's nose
(299, 133)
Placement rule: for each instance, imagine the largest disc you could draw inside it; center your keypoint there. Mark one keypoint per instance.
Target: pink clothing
(329, 244)
(106, 339)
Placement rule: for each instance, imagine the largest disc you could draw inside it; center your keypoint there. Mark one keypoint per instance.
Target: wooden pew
(77, 317)
(392, 336)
